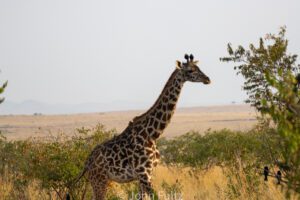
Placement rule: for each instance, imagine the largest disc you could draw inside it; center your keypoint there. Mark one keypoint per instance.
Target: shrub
(53, 162)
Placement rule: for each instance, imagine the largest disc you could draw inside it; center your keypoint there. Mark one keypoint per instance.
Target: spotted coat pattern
(133, 154)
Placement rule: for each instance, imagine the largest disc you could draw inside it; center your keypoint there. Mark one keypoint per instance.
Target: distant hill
(30, 107)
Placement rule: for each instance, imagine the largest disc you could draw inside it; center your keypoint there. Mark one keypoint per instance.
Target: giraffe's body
(133, 154)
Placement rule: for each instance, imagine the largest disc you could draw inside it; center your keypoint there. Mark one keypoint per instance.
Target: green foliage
(221, 148)
(241, 155)
(53, 162)
(272, 82)
(2, 90)
(270, 56)
(287, 118)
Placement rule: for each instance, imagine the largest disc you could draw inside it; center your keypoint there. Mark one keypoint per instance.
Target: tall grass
(217, 164)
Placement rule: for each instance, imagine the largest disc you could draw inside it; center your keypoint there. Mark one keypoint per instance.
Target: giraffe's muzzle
(207, 81)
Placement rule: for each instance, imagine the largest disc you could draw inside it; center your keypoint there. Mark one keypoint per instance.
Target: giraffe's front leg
(145, 187)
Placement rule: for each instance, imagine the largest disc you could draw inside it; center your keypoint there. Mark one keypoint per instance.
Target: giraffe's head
(190, 70)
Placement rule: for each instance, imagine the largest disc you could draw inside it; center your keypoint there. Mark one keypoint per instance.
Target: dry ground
(236, 117)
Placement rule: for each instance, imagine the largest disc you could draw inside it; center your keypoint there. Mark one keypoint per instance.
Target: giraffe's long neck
(156, 119)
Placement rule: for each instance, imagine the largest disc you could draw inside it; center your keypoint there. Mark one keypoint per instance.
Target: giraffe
(132, 154)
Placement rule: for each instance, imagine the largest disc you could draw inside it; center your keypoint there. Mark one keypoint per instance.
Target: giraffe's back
(112, 159)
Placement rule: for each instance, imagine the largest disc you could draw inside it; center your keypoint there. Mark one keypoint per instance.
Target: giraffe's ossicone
(133, 154)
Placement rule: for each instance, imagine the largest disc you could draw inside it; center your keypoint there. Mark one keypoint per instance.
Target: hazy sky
(60, 51)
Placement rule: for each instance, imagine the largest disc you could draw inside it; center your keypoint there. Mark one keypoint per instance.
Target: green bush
(221, 148)
(53, 163)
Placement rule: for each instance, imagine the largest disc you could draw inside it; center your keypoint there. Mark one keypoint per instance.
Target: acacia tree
(269, 57)
(272, 83)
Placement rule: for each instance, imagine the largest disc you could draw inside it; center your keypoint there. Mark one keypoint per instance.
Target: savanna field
(206, 153)
(113, 53)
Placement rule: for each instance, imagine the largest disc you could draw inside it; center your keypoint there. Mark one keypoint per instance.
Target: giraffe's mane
(142, 116)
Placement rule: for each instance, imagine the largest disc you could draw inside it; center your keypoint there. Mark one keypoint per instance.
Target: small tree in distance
(272, 83)
(2, 90)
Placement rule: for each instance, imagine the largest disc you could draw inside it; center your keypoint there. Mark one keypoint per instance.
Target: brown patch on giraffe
(169, 116)
(136, 161)
(148, 164)
(158, 115)
(173, 97)
(162, 126)
(125, 163)
(159, 106)
(149, 152)
(149, 144)
(171, 106)
(140, 140)
(156, 124)
(155, 135)
(164, 108)
(144, 134)
(115, 148)
(149, 130)
(107, 153)
(151, 121)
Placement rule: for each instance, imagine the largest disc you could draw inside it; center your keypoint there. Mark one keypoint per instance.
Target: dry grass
(206, 185)
(209, 184)
(200, 185)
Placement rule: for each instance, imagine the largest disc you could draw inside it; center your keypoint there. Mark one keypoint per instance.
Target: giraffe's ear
(196, 62)
(178, 64)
